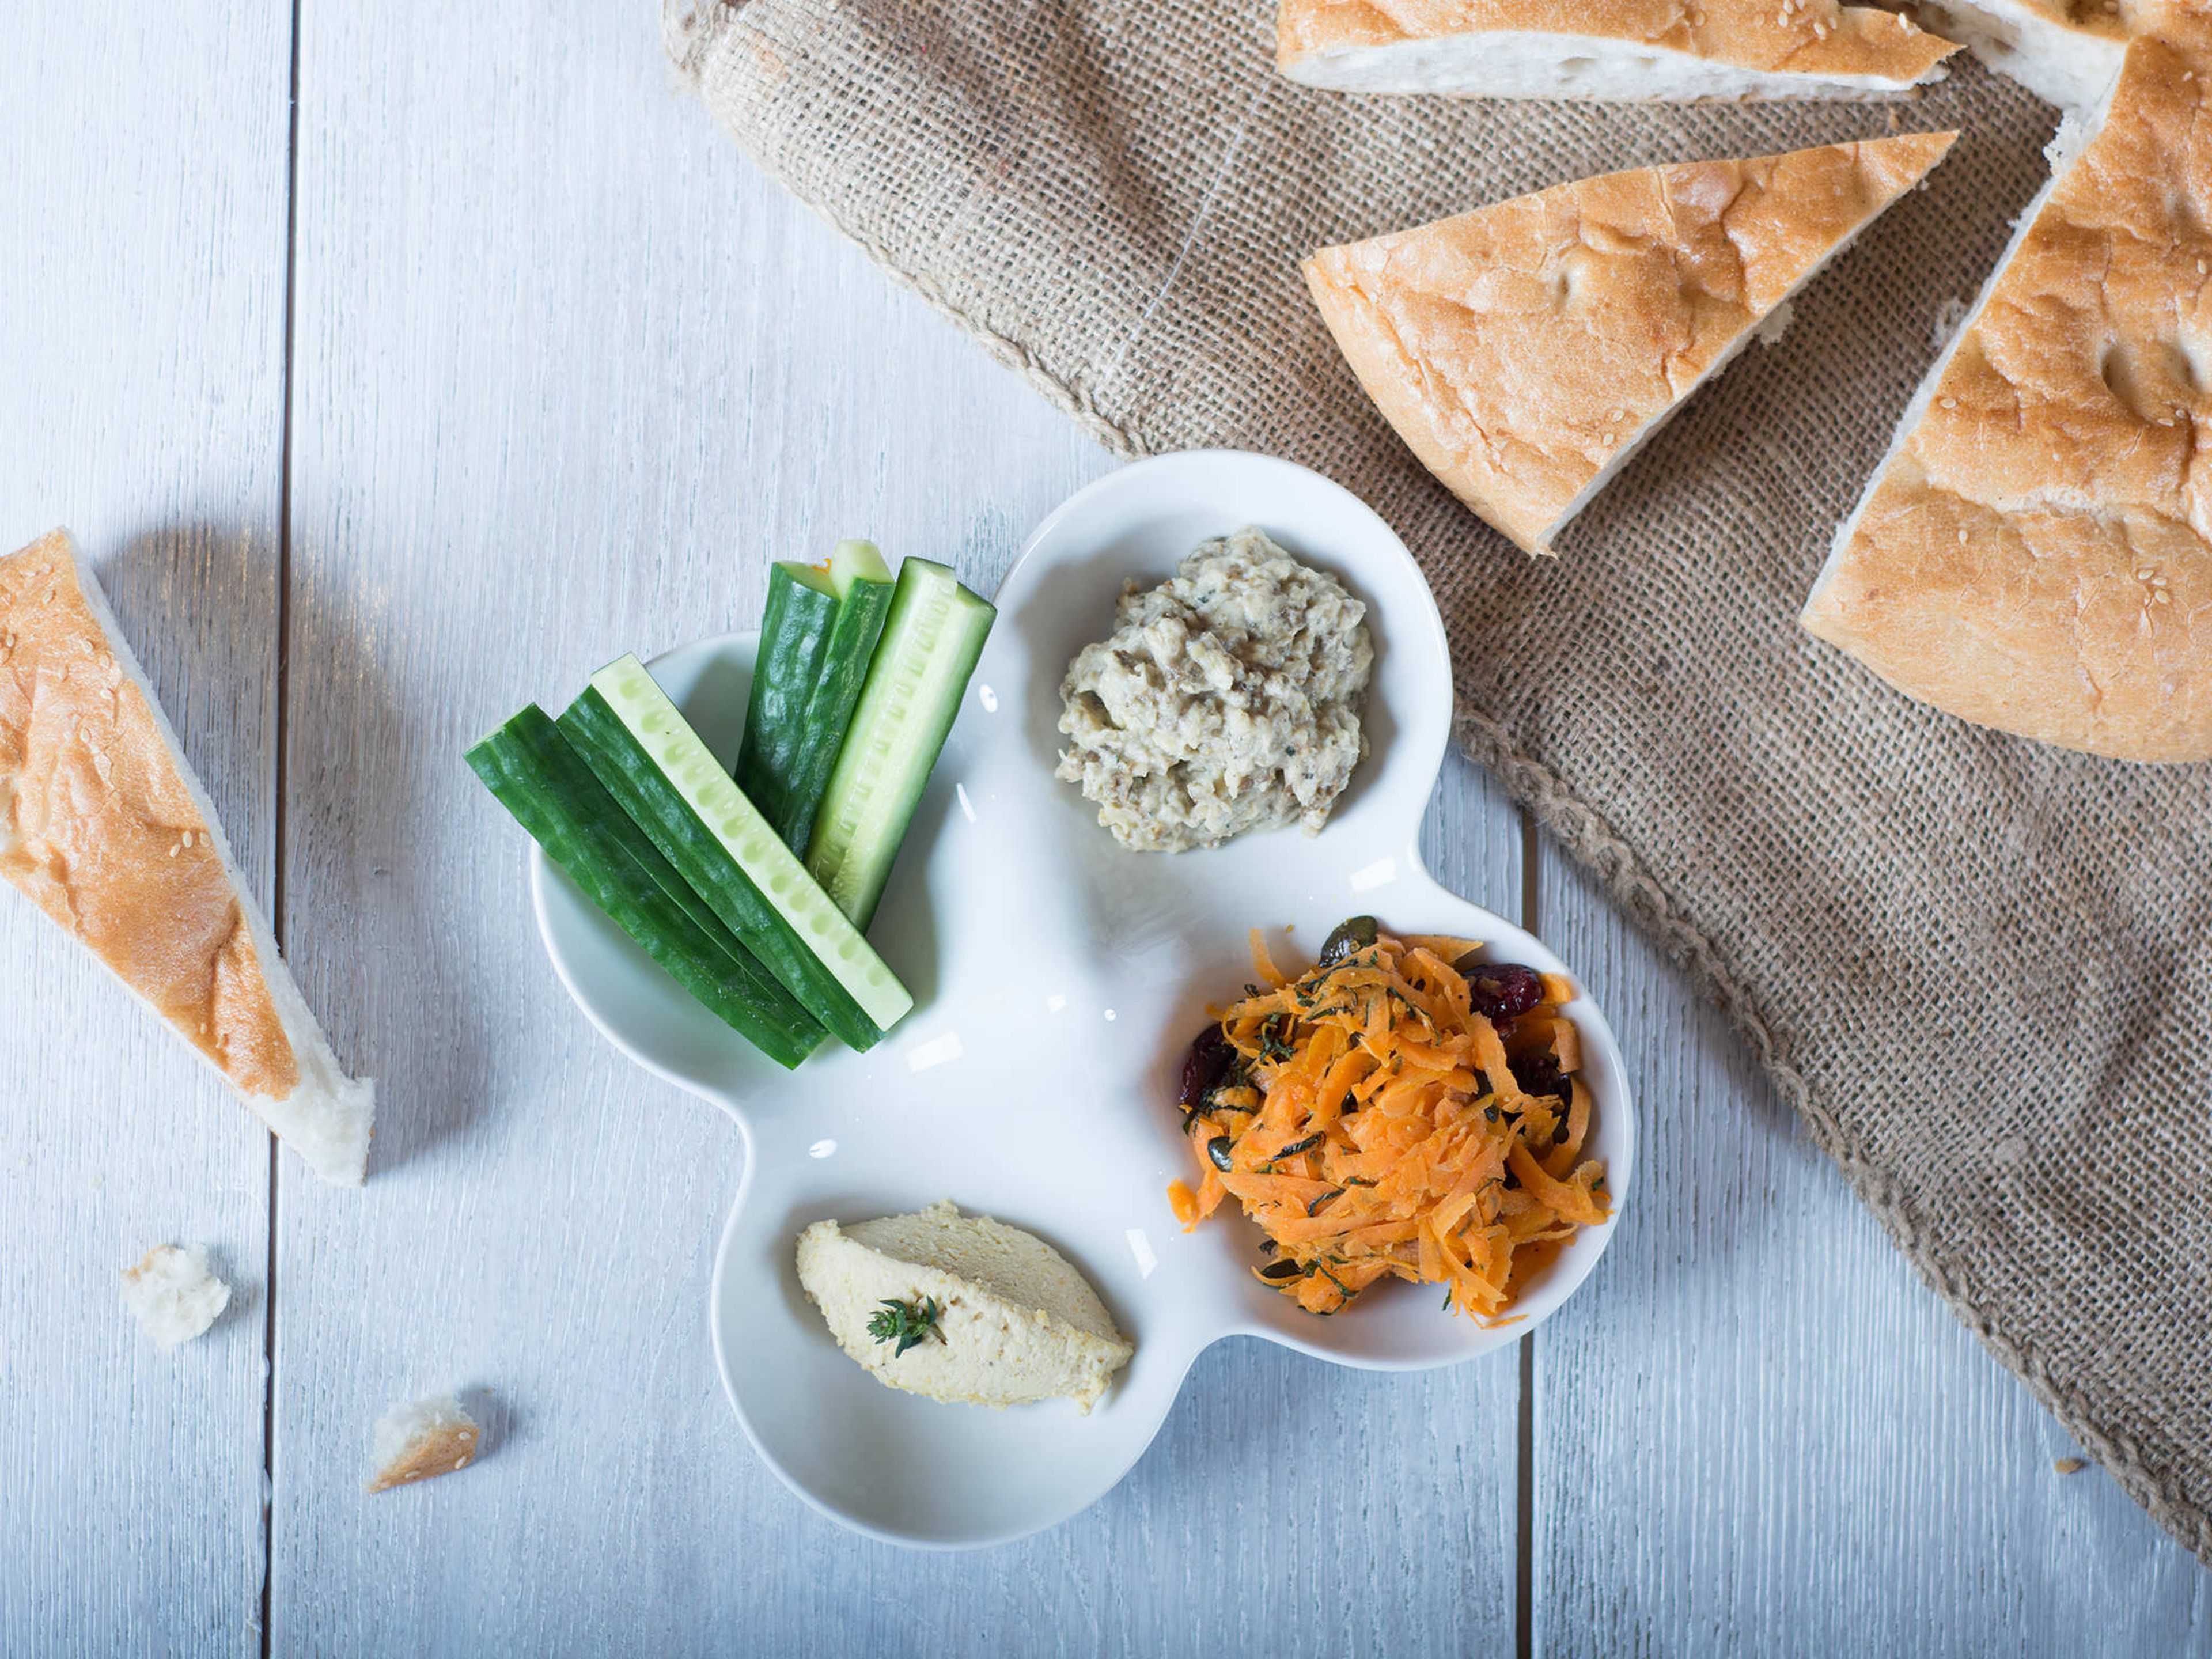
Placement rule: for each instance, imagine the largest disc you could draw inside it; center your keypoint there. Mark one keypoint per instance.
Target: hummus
(1227, 700)
(1015, 1322)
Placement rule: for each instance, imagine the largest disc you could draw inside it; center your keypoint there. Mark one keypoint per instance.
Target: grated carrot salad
(1370, 1121)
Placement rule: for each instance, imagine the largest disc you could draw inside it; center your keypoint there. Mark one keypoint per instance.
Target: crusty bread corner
(104, 825)
(2034, 554)
(418, 1439)
(1625, 50)
(1524, 351)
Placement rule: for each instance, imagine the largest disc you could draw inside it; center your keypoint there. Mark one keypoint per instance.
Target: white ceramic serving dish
(1058, 981)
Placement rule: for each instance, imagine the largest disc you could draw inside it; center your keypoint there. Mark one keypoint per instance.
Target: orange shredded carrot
(1184, 1203)
(1371, 1125)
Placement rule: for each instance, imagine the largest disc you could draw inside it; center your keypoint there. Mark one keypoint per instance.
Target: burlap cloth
(1977, 967)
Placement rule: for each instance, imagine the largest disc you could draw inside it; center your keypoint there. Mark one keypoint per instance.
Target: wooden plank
(1757, 1432)
(571, 401)
(144, 199)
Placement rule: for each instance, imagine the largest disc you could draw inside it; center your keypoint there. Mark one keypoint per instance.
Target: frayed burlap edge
(1593, 844)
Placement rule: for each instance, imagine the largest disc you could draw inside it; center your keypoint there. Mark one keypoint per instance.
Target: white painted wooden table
(399, 361)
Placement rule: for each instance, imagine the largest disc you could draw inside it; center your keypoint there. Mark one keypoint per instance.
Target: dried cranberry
(1503, 991)
(1203, 1068)
(1538, 1072)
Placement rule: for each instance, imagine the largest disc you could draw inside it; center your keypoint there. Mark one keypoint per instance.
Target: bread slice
(2066, 50)
(1525, 350)
(419, 1438)
(1610, 50)
(103, 824)
(174, 1294)
(2033, 553)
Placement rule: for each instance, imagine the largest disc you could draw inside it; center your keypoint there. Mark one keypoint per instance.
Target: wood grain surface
(143, 198)
(565, 375)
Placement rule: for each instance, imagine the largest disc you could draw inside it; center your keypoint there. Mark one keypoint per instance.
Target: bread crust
(441, 1452)
(1524, 349)
(104, 835)
(2036, 555)
(1780, 37)
(104, 827)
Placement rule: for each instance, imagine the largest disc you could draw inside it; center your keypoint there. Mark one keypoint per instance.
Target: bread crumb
(173, 1295)
(1950, 317)
(2069, 1466)
(418, 1438)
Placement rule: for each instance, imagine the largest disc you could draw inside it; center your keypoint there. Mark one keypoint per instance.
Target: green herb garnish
(905, 1322)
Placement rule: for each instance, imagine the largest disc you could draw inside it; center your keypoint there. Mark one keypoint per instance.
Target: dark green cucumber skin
(597, 733)
(829, 710)
(796, 629)
(541, 780)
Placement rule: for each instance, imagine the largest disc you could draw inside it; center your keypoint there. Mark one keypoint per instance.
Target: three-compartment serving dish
(1057, 981)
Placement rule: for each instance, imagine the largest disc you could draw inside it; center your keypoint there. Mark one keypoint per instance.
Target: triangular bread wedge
(420, 1439)
(1523, 351)
(1610, 50)
(103, 824)
(2035, 553)
(2066, 50)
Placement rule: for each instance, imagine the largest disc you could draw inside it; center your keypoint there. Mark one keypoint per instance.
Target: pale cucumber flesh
(530, 768)
(929, 648)
(856, 562)
(749, 840)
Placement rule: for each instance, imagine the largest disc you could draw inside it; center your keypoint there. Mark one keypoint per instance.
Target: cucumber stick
(796, 626)
(654, 764)
(821, 737)
(530, 767)
(929, 648)
(857, 562)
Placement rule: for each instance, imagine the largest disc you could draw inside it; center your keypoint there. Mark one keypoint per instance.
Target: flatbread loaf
(1615, 49)
(2033, 553)
(1524, 351)
(103, 824)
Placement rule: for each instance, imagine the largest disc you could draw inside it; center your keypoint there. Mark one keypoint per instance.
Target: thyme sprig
(905, 1322)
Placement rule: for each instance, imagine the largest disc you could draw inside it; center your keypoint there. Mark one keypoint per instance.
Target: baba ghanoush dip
(1227, 700)
(962, 1309)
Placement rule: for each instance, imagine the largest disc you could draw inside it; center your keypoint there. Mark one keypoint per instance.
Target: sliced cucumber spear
(813, 658)
(855, 562)
(796, 626)
(544, 783)
(864, 593)
(930, 645)
(655, 765)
